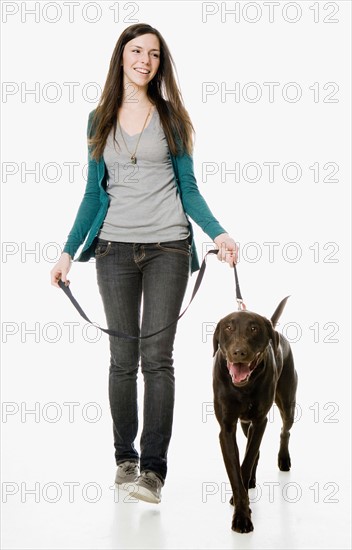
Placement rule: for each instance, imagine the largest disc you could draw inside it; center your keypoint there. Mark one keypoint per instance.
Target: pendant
(133, 159)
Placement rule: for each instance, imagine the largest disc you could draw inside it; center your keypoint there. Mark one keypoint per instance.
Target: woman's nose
(145, 58)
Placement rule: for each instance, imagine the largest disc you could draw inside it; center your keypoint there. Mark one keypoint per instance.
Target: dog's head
(242, 338)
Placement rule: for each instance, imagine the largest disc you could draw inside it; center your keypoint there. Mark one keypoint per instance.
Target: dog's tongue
(238, 371)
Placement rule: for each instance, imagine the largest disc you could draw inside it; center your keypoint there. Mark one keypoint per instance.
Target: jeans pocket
(181, 247)
(102, 249)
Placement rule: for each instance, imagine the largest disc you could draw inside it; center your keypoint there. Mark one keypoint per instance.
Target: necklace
(133, 155)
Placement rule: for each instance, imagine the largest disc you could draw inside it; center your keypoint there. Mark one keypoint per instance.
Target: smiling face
(141, 60)
(242, 338)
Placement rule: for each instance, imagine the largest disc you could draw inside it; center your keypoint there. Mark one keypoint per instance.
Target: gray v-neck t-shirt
(145, 206)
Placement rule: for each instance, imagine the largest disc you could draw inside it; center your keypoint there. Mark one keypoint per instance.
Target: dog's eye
(228, 327)
(254, 329)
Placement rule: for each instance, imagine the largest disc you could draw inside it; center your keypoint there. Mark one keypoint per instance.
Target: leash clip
(240, 304)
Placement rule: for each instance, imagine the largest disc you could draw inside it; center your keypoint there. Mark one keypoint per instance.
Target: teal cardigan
(95, 203)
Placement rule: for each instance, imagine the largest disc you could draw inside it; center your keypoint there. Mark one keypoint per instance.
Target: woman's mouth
(140, 70)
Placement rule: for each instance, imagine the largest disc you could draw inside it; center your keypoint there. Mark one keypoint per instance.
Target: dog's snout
(240, 353)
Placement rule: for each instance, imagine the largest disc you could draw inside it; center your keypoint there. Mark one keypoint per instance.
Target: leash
(120, 334)
(240, 303)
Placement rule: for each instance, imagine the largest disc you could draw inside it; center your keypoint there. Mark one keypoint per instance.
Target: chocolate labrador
(253, 368)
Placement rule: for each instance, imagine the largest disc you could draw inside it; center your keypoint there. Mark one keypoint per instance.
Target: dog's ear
(216, 339)
(273, 335)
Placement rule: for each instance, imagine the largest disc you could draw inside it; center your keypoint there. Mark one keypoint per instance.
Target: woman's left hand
(228, 249)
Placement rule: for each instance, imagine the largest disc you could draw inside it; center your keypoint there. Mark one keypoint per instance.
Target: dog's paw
(241, 523)
(284, 463)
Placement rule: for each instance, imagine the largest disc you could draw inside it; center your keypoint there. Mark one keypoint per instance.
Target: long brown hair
(162, 91)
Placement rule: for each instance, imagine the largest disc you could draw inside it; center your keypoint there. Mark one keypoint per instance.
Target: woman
(133, 219)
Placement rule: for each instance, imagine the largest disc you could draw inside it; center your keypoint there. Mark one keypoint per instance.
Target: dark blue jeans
(142, 287)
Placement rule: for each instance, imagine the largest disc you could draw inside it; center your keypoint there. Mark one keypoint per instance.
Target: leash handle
(120, 334)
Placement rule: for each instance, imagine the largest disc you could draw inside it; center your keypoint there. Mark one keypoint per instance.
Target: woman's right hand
(60, 270)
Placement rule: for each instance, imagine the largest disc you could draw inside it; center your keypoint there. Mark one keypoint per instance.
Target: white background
(306, 508)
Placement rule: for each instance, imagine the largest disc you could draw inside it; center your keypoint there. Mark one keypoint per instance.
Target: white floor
(302, 509)
(182, 520)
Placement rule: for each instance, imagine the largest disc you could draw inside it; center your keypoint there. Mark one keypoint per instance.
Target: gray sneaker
(148, 487)
(127, 472)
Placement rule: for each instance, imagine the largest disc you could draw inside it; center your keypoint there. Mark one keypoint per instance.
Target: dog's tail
(277, 313)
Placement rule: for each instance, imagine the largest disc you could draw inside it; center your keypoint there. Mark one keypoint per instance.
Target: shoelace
(150, 479)
(129, 468)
